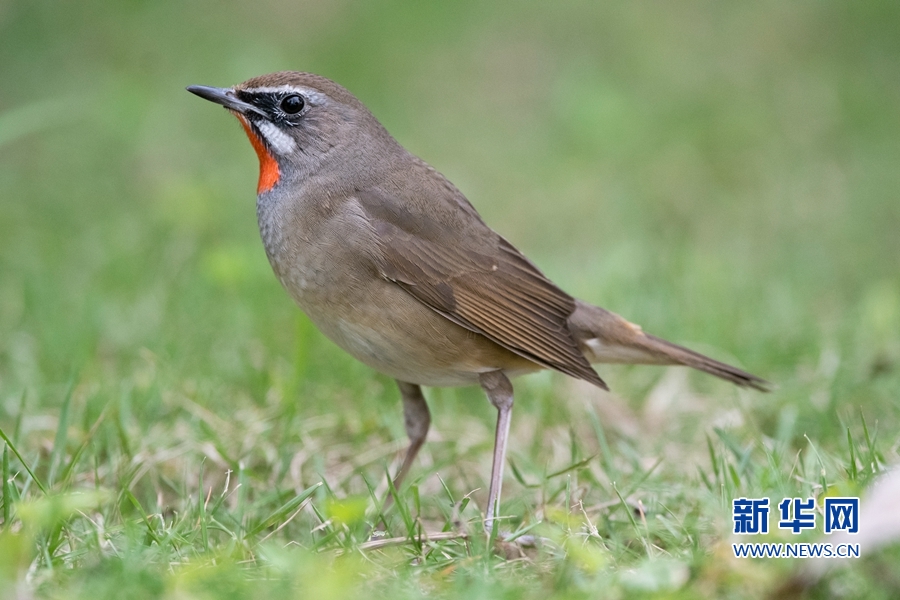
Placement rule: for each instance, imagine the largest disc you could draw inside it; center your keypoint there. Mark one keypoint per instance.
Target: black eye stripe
(280, 106)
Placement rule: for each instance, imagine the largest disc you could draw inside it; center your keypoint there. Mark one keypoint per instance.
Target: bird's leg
(500, 392)
(417, 420)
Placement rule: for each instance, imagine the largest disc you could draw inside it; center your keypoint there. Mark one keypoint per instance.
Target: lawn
(726, 175)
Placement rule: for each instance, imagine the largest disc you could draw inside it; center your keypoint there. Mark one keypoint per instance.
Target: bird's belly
(392, 332)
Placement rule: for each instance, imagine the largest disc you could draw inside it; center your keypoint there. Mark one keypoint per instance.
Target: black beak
(226, 98)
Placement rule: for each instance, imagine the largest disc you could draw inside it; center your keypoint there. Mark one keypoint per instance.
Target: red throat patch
(268, 166)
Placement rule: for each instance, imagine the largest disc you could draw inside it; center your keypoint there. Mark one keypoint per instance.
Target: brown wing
(460, 268)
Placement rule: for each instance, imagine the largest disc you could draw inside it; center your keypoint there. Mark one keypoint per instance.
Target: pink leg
(500, 392)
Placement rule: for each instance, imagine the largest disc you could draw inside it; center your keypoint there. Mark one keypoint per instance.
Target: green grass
(172, 426)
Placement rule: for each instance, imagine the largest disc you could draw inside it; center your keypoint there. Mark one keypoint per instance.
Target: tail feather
(687, 357)
(608, 338)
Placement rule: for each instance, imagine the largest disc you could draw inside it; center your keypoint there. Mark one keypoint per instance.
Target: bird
(392, 263)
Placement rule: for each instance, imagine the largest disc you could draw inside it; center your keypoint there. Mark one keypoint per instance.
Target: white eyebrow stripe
(312, 95)
(280, 142)
(273, 90)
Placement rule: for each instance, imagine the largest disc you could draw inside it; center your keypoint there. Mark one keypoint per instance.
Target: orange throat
(268, 166)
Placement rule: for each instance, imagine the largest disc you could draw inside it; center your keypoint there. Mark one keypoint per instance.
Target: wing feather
(466, 272)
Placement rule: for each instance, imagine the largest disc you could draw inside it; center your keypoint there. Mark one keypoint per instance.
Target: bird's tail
(606, 337)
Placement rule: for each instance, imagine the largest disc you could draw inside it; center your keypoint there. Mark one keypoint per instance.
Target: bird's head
(299, 121)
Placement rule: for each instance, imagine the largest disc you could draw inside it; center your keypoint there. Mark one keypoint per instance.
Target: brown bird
(394, 264)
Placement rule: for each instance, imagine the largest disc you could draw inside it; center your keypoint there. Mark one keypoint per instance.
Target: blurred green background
(725, 174)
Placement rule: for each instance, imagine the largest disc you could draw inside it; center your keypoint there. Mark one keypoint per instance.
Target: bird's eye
(293, 104)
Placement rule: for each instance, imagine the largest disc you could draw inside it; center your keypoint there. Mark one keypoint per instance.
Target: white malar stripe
(278, 140)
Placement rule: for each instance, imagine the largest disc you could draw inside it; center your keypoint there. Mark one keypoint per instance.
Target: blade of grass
(17, 428)
(285, 509)
(123, 415)
(634, 524)
(634, 486)
(822, 481)
(740, 454)
(62, 433)
(522, 531)
(204, 532)
(242, 498)
(7, 492)
(70, 468)
(401, 506)
(852, 472)
(417, 500)
(735, 478)
(137, 505)
(572, 467)
(378, 514)
(224, 494)
(870, 445)
(712, 457)
(605, 453)
(22, 460)
(446, 489)
(519, 477)
(704, 478)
